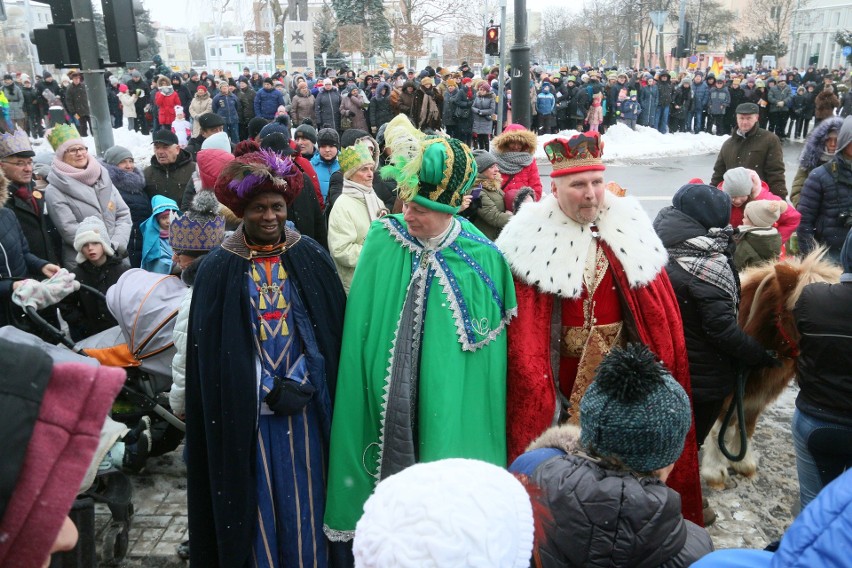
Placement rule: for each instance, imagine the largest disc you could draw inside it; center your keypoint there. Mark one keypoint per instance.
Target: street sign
(659, 18)
(702, 39)
(847, 50)
(603, 61)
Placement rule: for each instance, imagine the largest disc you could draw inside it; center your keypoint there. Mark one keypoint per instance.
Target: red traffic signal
(492, 40)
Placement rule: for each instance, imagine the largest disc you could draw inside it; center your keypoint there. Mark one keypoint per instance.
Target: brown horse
(769, 294)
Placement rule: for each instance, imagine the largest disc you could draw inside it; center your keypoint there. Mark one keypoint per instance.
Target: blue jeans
(823, 451)
(661, 120)
(693, 123)
(233, 132)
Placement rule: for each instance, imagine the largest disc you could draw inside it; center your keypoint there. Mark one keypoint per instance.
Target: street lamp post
(521, 112)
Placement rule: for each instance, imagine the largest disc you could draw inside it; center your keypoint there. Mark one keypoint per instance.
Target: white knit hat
(454, 512)
(738, 182)
(91, 230)
(764, 213)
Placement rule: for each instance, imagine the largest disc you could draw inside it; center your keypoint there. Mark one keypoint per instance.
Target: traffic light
(123, 41)
(57, 45)
(492, 41)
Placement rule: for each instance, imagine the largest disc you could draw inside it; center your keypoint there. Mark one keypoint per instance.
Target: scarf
(513, 162)
(24, 194)
(704, 257)
(429, 112)
(367, 196)
(87, 176)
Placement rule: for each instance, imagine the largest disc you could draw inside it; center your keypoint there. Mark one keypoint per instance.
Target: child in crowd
(97, 267)
(630, 111)
(156, 250)
(128, 106)
(758, 240)
(594, 118)
(181, 127)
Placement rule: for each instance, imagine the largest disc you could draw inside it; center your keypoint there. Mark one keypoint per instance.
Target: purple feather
(278, 166)
(244, 186)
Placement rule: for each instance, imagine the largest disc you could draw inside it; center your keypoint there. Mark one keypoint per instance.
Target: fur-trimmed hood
(516, 133)
(124, 181)
(544, 246)
(815, 146)
(565, 437)
(382, 85)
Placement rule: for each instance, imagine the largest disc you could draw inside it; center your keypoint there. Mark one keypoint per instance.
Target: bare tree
(773, 16)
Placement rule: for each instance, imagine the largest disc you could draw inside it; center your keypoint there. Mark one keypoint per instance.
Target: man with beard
(590, 275)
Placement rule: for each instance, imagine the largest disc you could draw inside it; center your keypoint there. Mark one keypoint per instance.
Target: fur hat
(116, 155)
(432, 171)
(635, 411)
(91, 230)
(581, 153)
(56, 415)
(256, 173)
(764, 212)
(352, 158)
(515, 133)
(201, 228)
(738, 182)
(452, 512)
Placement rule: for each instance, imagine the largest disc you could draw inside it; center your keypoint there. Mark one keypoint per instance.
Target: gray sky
(185, 14)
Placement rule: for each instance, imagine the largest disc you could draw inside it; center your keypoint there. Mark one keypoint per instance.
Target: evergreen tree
(325, 38)
(147, 29)
(369, 14)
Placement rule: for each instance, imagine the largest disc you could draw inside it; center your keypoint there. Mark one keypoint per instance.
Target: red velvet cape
(531, 390)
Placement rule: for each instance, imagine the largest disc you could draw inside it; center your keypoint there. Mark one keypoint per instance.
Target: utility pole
(501, 82)
(681, 30)
(521, 113)
(93, 75)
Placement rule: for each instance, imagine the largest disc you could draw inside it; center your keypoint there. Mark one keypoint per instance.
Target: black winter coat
(716, 345)
(169, 180)
(306, 213)
(131, 186)
(603, 515)
(824, 318)
(92, 314)
(42, 237)
(380, 110)
(826, 196)
(16, 263)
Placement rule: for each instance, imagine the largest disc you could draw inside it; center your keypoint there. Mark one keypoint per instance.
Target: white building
(17, 54)
(813, 30)
(174, 48)
(229, 54)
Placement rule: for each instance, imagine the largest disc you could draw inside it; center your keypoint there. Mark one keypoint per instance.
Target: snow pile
(621, 143)
(140, 145)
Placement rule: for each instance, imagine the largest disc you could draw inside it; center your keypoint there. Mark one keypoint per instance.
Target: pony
(769, 293)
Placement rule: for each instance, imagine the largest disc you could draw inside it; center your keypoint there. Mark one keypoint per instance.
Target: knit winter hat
(219, 141)
(764, 212)
(328, 137)
(116, 155)
(91, 230)
(635, 411)
(306, 131)
(484, 160)
(737, 182)
(256, 173)
(201, 228)
(55, 415)
(255, 125)
(452, 512)
(61, 137)
(432, 171)
(581, 153)
(352, 158)
(705, 204)
(280, 124)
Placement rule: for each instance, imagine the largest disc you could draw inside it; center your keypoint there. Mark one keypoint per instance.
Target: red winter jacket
(527, 177)
(166, 106)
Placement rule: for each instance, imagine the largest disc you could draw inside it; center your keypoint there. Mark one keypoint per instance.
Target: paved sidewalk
(751, 512)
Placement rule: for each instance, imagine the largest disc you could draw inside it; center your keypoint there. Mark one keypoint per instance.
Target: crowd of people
(377, 280)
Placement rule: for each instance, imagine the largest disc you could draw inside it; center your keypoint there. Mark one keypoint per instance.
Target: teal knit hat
(635, 411)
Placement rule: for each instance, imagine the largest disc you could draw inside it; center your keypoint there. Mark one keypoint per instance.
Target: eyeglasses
(19, 163)
(77, 150)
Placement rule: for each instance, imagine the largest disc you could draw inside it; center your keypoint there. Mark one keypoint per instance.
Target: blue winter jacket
(700, 95)
(227, 106)
(545, 102)
(266, 103)
(820, 536)
(826, 195)
(324, 170)
(630, 110)
(156, 254)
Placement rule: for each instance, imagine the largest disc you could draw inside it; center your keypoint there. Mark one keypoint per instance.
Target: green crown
(61, 134)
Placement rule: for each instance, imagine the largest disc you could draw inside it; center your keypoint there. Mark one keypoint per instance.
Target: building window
(775, 13)
(213, 51)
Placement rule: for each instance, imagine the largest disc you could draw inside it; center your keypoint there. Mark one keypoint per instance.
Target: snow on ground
(622, 144)
(139, 145)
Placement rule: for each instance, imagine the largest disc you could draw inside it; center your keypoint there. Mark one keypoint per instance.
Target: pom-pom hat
(432, 171)
(580, 153)
(201, 228)
(256, 173)
(635, 411)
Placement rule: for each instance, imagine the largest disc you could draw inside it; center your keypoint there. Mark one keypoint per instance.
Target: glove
(120, 250)
(779, 104)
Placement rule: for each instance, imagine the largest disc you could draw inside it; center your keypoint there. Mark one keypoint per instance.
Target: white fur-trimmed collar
(546, 248)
